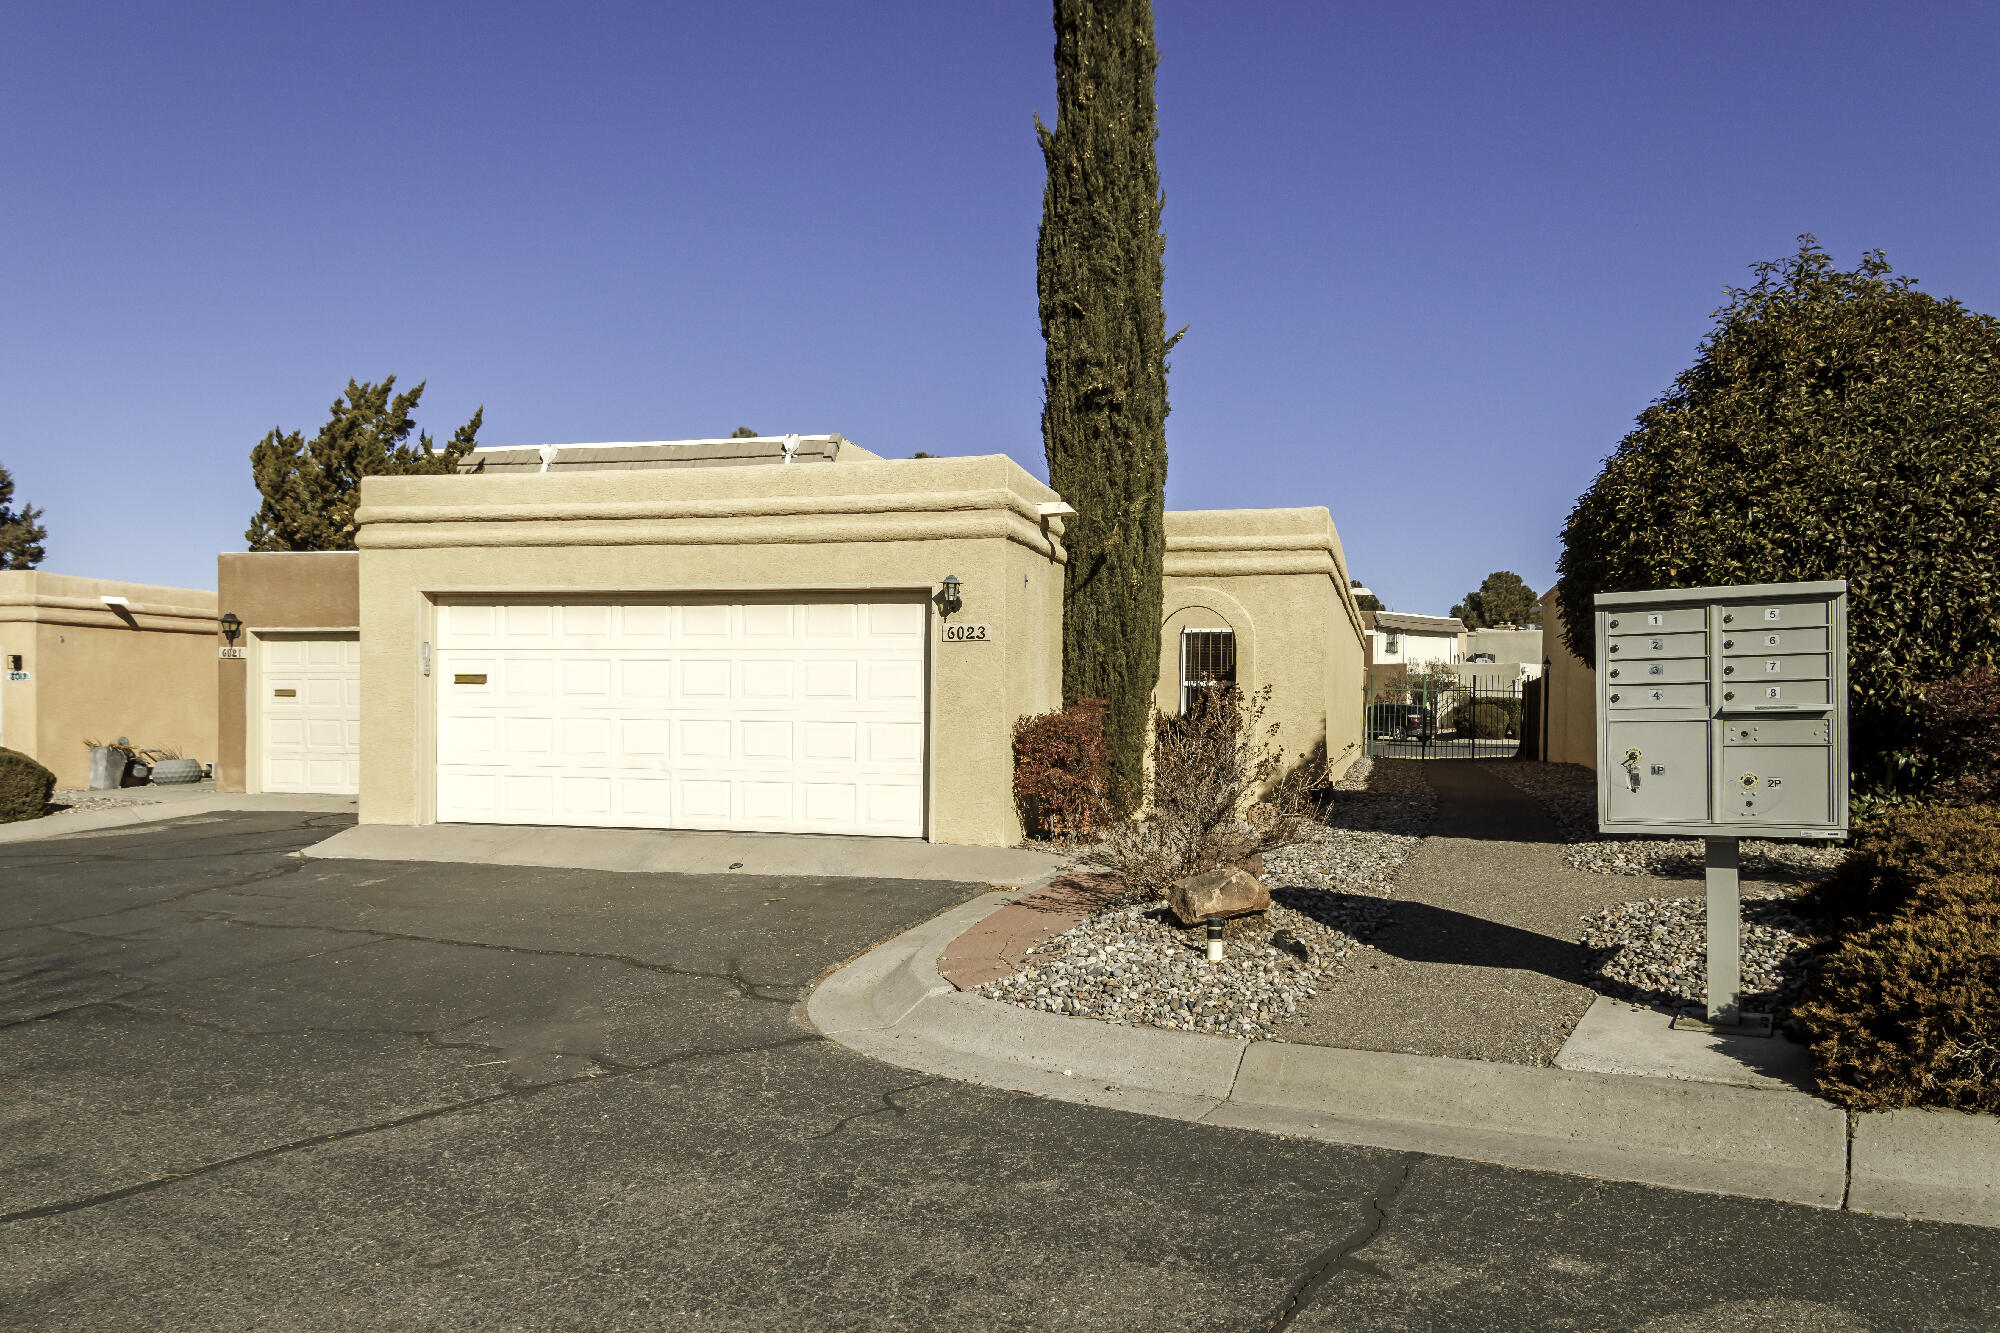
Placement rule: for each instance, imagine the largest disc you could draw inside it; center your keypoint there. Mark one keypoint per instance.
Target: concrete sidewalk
(676, 851)
(1760, 1142)
(1477, 958)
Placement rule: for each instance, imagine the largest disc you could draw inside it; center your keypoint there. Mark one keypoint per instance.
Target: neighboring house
(1397, 639)
(1502, 653)
(784, 634)
(95, 659)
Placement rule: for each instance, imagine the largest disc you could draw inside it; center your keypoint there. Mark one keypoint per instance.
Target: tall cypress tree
(1099, 274)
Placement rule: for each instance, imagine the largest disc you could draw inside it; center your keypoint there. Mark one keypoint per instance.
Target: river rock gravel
(1568, 792)
(1654, 951)
(1135, 965)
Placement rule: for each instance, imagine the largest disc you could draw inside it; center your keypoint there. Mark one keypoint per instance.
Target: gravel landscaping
(62, 802)
(1568, 792)
(1135, 965)
(1655, 951)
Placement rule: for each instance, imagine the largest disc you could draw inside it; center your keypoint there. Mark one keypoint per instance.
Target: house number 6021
(967, 633)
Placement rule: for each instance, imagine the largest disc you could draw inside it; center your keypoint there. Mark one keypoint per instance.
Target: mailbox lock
(1729, 643)
(1633, 756)
(1729, 620)
(1747, 781)
(1614, 647)
(1614, 673)
(1729, 694)
(1614, 698)
(1614, 624)
(1729, 671)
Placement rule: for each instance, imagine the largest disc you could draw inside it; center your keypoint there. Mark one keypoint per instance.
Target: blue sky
(1434, 257)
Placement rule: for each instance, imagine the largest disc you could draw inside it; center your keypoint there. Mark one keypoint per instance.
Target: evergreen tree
(311, 487)
(1367, 601)
(21, 537)
(1504, 598)
(1099, 278)
(742, 433)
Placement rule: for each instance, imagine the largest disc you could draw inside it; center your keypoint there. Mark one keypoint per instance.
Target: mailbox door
(1658, 771)
(1776, 784)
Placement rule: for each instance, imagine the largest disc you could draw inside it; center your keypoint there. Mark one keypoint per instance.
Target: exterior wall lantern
(949, 601)
(232, 625)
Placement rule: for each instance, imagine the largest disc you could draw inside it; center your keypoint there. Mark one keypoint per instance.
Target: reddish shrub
(1959, 720)
(1061, 769)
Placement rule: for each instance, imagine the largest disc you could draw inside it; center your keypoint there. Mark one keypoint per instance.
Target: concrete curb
(893, 1005)
(117, 817)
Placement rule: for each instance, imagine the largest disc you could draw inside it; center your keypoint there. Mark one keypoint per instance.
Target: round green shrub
(1833, 425)
(1486, 718)
(24, 787)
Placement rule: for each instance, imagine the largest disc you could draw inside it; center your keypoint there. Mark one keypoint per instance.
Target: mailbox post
(1721, 715)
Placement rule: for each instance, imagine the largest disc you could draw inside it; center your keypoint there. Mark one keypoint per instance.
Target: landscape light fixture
(949, 600)
(232, 625)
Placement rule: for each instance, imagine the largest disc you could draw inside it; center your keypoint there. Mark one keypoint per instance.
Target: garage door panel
(702, 739)
(309, 731)
(645, 680)
(587, 739)
(801, 716)
(710, 622)
(528, 678)
(765, 742)
(706, 679)
(765, 682)
(831, 620)
(523, 623)
(528, 740)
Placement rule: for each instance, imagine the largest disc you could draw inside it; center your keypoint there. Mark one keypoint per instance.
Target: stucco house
(785, 634)
(95, 659)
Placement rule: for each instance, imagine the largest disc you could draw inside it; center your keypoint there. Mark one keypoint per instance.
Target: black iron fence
(1442, 715)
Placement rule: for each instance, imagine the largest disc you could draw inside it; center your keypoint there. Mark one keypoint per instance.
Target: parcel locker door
(1659, 771)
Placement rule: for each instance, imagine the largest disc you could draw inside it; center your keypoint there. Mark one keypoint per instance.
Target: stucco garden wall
(895, 526)
(272, 590)
(1571, 700)
(95, 673)
(1278, 578)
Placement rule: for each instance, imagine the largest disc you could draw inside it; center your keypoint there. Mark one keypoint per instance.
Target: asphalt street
(241, 1089)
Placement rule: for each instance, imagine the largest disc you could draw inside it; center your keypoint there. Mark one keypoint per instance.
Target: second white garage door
(312, 713)
(781, 716)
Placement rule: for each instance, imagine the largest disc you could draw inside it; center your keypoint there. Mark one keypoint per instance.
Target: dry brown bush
(1220, 791)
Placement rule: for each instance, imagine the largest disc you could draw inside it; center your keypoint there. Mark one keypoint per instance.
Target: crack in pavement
(748, 988)
(888, 1105)
(381, 1126)
(1341, 1255)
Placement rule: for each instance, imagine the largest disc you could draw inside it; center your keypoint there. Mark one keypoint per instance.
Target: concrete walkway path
(1478, 959)
(688, 852)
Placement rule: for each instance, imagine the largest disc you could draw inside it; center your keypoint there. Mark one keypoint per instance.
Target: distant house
(1397, 639)
(1502, 652)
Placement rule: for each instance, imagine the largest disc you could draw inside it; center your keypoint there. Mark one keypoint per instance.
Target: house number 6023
(967, 633)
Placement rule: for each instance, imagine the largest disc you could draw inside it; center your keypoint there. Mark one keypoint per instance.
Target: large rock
(1229, 891)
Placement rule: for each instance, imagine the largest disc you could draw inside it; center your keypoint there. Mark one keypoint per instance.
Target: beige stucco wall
(892, 526)
(272, 590)
(96, 674)
(1571, 700)
(1279, 579)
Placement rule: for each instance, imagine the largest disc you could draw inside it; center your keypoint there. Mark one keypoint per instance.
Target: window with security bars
(1208, 657)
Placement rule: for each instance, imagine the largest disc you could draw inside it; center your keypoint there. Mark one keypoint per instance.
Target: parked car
(1402, 722)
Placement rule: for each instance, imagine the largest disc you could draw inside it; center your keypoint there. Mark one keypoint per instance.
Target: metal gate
(1440, 715)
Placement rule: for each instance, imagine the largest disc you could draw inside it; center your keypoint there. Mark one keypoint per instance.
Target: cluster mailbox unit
(1722, 714)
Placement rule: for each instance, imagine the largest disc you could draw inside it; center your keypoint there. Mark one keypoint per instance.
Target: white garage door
(312, 714)
(803, 716)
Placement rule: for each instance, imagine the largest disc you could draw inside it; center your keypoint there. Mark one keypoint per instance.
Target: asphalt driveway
(241, 1089)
